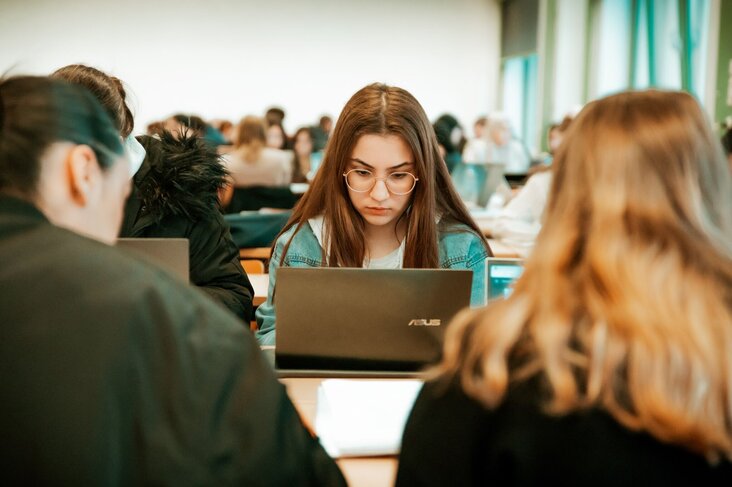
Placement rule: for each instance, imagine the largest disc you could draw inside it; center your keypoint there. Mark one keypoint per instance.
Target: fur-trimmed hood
(179, 177)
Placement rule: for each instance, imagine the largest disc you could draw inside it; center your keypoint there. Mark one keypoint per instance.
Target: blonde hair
(251, 138)
(626, 301)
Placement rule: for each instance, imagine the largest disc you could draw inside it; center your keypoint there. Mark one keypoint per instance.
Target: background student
(302, 149)
(610, 362)
(252, 162)
(175, 194)
(381, 199)
(112, 372)
(519, 222)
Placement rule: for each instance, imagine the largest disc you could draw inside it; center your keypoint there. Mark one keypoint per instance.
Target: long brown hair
(626, 301)
(251, 138)
(382, 110)
(299, 171)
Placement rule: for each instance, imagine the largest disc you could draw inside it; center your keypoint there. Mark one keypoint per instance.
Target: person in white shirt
(520, 221)
(504, 148)
(252, 163)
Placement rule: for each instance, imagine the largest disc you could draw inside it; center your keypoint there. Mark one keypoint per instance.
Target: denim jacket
(459, 248)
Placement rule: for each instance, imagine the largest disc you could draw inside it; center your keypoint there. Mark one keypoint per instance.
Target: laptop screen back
(502, 274)
(365, 319)
(476, 183)
(169, 253)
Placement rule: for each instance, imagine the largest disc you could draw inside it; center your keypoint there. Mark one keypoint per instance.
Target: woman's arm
(265, 313)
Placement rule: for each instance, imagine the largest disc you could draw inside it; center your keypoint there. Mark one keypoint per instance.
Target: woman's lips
(377, 210)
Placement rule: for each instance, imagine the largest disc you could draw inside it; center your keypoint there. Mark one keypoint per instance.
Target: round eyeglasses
(362, 180)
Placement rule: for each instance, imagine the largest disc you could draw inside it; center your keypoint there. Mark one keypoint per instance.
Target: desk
(261, 253)
(368, 471)
(260, 283)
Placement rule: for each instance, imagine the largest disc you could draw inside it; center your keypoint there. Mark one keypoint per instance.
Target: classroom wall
(227, 58)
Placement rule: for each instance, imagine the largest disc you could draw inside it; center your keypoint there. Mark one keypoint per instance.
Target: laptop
(476, 183)
(502, 274)
(351, 322)
(169, 253)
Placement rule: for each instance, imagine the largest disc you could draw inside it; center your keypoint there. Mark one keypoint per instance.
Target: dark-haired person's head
(326, 123)
(274, 116)
(60, 150)
(449, 133)
(180, 124)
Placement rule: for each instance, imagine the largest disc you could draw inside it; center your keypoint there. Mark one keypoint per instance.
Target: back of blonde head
(626, 301)
(250, 138)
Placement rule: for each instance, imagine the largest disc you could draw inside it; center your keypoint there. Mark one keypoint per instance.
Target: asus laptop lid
(502, 273)
(365, 319)
(169, 253)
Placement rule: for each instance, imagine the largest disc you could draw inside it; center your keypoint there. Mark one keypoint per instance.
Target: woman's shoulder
(303, 243)
(519, 427)
(458, 234)
(459, 243)
(275, 156)
(541, 178)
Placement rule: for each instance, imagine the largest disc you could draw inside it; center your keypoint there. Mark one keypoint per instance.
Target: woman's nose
(379, 192)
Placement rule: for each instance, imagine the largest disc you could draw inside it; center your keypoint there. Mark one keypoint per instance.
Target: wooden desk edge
(254, 253)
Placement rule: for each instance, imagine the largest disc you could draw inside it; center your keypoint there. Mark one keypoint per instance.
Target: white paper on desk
(363, 417)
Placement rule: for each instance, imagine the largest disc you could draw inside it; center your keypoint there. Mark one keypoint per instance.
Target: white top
(512, 155)
(394, 260)
(475, 151)
(520, 220)
(273, 168)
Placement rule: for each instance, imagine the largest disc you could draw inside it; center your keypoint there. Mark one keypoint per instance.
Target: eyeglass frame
(414, 185)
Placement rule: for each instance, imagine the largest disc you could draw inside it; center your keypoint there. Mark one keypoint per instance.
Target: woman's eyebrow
(405, 163)
(355, 159)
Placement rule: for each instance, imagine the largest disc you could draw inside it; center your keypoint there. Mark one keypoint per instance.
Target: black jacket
(175, 195)
(114, 373)
(451, 439)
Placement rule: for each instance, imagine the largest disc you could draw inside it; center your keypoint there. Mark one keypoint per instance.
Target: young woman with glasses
(381, 199)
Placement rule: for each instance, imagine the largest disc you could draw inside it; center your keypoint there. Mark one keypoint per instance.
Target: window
(649, 43)
(518, 97)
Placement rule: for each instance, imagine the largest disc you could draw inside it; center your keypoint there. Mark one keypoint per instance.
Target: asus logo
(422, 322)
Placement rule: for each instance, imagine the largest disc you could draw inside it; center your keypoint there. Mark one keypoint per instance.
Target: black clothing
(451, 439)
(115, 373)
(175, 195)
(256, 229)
(253, 198)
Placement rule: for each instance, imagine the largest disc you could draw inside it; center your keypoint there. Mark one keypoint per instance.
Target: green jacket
(113, 373)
